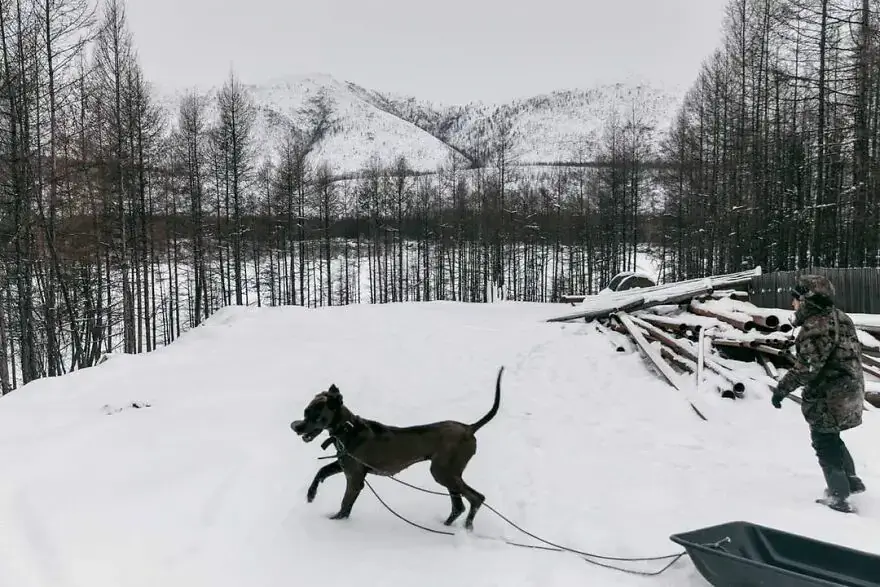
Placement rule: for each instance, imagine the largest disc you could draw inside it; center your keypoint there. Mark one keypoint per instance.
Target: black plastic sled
(741, 554)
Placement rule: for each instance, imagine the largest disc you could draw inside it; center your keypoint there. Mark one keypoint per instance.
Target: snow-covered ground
(205, 486)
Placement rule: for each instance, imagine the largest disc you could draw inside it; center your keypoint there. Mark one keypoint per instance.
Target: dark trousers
(835, 460)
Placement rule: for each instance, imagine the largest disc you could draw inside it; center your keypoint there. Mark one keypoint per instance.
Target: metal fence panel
(857, 288)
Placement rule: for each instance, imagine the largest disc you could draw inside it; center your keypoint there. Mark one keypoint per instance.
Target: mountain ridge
(559, 126)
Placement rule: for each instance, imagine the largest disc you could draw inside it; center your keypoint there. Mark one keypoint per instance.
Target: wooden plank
(872, 370)
(869, 360)
(600, 313)
(655, 357)
(686, 351)
(600, 306)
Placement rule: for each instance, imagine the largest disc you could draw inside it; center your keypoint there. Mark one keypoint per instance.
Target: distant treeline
(121, 227)
(775, 154)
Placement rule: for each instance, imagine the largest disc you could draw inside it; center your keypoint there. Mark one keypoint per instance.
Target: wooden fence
(857, 289)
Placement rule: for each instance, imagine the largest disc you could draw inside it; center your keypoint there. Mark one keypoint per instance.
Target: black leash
(551, 547)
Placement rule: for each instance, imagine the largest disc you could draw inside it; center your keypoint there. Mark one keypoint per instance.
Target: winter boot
(838, 490)
(856, 485)
(838, 504)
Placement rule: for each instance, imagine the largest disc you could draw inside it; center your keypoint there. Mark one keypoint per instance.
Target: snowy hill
(559, 126)
(361, 130)
(204, 483)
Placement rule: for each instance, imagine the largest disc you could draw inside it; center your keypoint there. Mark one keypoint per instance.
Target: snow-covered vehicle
(628, 280)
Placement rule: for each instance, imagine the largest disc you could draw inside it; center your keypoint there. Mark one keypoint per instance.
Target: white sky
(452, 51)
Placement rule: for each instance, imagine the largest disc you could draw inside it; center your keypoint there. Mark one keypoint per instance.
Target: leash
(551, 547)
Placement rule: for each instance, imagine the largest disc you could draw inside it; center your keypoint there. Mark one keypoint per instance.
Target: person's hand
(776, 400)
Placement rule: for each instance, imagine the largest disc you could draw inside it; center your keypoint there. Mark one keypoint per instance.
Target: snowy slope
(560, 126)
(206, 486)
(569, 125)
(363, 131)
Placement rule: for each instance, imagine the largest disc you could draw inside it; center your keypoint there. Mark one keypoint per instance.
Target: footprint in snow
(110, 410)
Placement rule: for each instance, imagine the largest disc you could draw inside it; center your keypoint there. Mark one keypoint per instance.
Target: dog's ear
(334, 396)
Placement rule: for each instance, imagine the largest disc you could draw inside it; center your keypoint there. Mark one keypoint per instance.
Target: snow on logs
(743, 344)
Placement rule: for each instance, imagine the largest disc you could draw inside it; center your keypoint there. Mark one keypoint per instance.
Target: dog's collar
(341, 426)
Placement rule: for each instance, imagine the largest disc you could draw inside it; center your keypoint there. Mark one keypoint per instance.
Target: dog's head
(321, 412)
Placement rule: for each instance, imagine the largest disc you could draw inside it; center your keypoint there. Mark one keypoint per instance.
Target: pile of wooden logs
(705, 330)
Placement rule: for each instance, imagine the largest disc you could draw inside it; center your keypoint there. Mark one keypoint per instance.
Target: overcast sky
(452, 51)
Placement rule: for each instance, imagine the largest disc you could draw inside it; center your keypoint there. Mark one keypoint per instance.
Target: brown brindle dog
(370, 447)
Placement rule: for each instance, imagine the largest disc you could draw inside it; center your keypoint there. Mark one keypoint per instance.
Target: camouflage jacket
(829, 367)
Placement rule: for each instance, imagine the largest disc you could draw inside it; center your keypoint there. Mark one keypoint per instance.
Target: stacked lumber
(703, 333)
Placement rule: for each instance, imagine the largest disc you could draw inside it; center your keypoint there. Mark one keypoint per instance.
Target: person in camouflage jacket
(829, 368)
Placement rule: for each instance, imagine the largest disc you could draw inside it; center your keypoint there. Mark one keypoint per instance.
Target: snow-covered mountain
(560, 126)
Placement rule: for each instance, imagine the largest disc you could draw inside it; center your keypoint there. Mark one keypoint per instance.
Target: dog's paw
(310, 495)
(339, 516)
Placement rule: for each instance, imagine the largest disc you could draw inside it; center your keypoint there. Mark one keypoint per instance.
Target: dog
(369, 447)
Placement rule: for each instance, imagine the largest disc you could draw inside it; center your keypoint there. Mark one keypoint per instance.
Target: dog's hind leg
(333, 468)
(457, 507)
(354, 483)
(441, 476)
(451, 475)
(475, 499)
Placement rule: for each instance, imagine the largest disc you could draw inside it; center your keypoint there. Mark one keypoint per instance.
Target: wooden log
(673, 358)
(734, 294)
(572, 299)
(687, 366)
(758, 347)
(624, 301)
(770, 319)
(633, 305)
(870, 323)
(769, 367)
(701, 367)
(618, 346)
(872, 394)
(673, 325)
(743, 344)
(871, 329)
(872, 370)
(588, 315)
(676, 360)
(738, 386)
(618, 327)
(774, 375)
(773, 372)
(655, 357)
(752, 341)
(769, 350)
(685, 325)
(871, 361)
(770, 322)
(870, 350)
(701, 309)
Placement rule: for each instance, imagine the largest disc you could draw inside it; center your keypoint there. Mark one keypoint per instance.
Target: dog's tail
(494, 410)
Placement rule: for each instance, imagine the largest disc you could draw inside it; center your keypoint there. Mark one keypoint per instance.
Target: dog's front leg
(322, 474)
(354, 483)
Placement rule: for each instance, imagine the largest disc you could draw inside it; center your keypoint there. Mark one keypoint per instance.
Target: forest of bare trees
(124, 225)
(773, 158)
